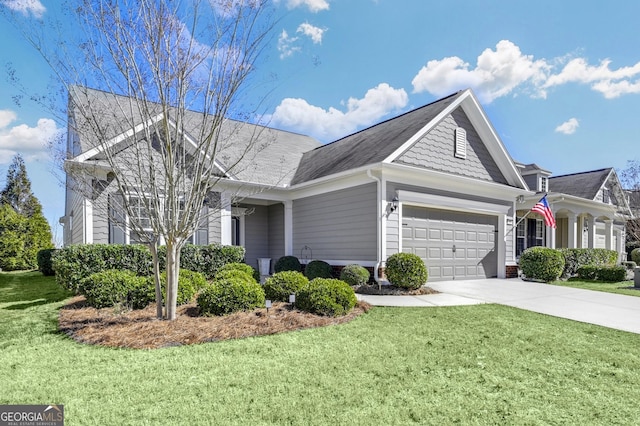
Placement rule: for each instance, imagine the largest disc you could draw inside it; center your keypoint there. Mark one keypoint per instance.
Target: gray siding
(276, 231)
(531, 181)
(435, 151)
(340, 225)
(256, 237)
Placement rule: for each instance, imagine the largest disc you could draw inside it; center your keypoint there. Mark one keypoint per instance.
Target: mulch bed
(141, 330)
(388, 290)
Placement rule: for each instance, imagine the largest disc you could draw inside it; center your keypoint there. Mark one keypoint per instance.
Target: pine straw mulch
(140, 329)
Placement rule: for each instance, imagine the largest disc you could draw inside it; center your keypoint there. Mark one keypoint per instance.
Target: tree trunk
(156, 278)
(173, 268)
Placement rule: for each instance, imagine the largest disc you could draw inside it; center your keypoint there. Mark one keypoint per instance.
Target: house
(436, 181)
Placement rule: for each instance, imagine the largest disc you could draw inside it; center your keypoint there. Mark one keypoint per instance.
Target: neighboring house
(436, 181)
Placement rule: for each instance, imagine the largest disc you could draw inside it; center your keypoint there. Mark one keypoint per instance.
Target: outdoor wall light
(393, 205)
(520, 199)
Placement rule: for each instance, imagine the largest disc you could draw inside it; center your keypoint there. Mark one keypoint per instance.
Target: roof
(584, 185)
(271, 159)
(531, 168)
(369, 146)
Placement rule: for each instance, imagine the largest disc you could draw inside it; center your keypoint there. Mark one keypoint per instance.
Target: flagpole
(518, 223)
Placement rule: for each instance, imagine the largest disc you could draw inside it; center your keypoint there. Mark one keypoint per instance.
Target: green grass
(623, 287)
(483, 364)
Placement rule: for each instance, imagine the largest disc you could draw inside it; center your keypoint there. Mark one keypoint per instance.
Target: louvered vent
(461, 143)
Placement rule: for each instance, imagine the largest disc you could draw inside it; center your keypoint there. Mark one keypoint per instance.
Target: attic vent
(460, 143)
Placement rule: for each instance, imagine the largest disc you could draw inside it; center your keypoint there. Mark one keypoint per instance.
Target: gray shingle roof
(583, 185)
(272, 159)
(368, 146)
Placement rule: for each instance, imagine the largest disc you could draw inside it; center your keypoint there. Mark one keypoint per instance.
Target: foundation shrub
(542, 263)
(243, 267)
(234, 273)
(406, 270)
(205, 259)
(354, 275)
(576, 258)
(635, 255)
(287, 263)
(318, 269)
(107, 288)
(227, 295)
(280, 285)
(189, 283)
(588, 272)
(603, 273)
(325, 296)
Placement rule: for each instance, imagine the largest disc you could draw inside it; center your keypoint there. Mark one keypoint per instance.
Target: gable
(436, 150)
(584, 185)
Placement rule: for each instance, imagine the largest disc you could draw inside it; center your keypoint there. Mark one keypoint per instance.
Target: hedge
(542, 263)
(189, 283)
(227, 295)
(603, 273)
(107, 288)
(577, 257)
(324, 296)
(205, 259)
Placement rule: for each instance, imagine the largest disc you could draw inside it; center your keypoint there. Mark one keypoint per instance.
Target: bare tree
(630, 178)
(159, 135)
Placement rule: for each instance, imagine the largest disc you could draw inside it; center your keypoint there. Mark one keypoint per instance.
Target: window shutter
(460, 143)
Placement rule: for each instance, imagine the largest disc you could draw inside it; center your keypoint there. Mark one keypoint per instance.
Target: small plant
(227, 295)
(542, 263)
(354, 275)
(287, 263)
(325, 296)
(282, 284)
(318, 269)
(45, 265)
(107, 288)
(249, 270)
(406, 270)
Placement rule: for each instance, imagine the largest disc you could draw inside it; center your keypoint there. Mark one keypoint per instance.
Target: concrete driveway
(606, 309)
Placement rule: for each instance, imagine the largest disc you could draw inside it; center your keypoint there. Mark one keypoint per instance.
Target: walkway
(606, 309)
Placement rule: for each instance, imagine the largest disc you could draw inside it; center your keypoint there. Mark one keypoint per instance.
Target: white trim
(225, 219)
(87, 208)
(448, 203)
(501, 242)
(288, 228)
(240, 213)
(369, 263)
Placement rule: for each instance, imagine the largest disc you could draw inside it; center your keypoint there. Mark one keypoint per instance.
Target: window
(141, 217)
(521, 236)
(544, 183)
(237, 226)
(460, 149)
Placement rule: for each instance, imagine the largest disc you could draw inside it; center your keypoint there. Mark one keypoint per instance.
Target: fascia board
(430, 125)
(449, 203)
(117, 139)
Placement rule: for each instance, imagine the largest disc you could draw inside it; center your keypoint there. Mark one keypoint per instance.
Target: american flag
(543, 208)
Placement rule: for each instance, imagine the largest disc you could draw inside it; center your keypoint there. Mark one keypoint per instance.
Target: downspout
(376, 277)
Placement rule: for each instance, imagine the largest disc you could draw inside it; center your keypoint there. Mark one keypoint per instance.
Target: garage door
(453, 245)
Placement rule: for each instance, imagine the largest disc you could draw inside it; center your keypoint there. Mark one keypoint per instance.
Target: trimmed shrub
(575, 258)
(227, 295)
(406, 270)
(237, 266)
(107, 288)
(45, 264)
(205, 259)
(234, 273)
(635, 255)
(542, 263)
(287, 263)
(318, 269)
(354, 275)
(588, 272)
(189, 283)
(323, 296)
(280, 285)
(612, 273)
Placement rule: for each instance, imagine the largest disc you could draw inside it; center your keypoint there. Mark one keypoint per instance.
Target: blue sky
(559, 81)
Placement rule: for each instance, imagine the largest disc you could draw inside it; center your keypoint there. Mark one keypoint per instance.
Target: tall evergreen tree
(23, 228)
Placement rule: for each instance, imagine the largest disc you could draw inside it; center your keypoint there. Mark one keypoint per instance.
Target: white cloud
(300, 116)
(313, 5)
(506, 70)
(312, 32)
(6, 117)
(26, 7)
(286, 45)
(569, 127)
(31, 142)
(496, 74)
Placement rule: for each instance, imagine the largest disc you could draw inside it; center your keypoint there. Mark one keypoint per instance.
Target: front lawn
(484, 364)
(623, 287)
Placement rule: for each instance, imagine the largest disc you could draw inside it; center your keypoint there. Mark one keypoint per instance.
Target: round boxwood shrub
(282, 284)
(318, 269)
(406, 270)
(542, 263)
(189, 283)
(287, 263)
(354, 275)
(237, 266)
(635, 255)
(234, 273)
(107, 288)
(227, 295)
(325, 296)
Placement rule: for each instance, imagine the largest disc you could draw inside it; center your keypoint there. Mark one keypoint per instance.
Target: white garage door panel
(432, 235)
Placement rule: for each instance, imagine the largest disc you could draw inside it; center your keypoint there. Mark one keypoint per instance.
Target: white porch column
(608, 234)
(572, 232)
(620, 246)
(551, 237)
(225, 219)
(87, 207)
(288, 228)
(502, 246)
(591, 232)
